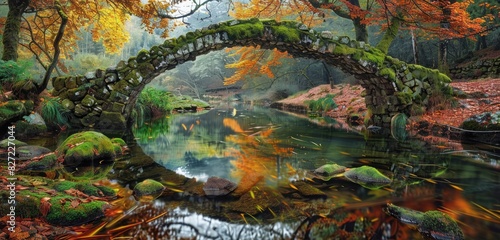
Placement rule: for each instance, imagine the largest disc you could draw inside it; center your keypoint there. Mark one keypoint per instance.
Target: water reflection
(266, 144)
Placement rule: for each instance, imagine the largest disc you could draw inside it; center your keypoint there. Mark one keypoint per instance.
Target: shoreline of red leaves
(483, 95)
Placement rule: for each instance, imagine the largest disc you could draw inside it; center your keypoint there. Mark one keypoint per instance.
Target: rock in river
(368, 177)
(431, 224)
(216, 186)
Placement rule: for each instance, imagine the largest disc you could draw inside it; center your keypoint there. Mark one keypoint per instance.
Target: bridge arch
(105, 99)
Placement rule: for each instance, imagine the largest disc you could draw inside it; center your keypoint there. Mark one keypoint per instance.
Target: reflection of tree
(256, 154)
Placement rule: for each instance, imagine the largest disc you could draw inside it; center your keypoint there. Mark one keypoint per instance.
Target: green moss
(86, 146)
(437, 222)
(405, 98)
(67, 215)
(148, 187)
(388, 73)
(368, 177)
(323, 104)
(244, 30)
(46, 163)
(84, 187)
(341, 49)
(288, 34)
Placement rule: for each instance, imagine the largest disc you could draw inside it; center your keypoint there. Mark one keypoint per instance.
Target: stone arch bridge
(105, 99)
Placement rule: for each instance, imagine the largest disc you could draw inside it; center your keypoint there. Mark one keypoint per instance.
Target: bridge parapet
(106, 98)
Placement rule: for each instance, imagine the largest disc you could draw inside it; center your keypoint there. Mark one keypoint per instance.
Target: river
(241, 143)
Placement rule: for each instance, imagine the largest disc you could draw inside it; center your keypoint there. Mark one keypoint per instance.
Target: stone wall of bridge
(105, 99)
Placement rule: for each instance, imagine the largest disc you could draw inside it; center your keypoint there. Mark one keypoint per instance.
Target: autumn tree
(443, 20)
(49, 29)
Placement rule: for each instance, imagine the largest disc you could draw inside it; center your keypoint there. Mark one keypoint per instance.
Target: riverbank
(475, 97)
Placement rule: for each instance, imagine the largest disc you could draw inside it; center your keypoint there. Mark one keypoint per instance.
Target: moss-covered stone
(45, 163)
(286, 34)
(388, 73)
(368, 177)
(244, 30)
(11, 110)
(88, 101)
(68, 104)
(6, 143)
(111, 120)
(148, 188)
(63, 213)
(86, 147)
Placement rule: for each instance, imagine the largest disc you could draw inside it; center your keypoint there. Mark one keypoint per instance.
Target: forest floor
(483, 95)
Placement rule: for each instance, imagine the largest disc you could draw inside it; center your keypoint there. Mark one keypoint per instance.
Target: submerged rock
(368, 177)
(307, 190)
(327, 171)
(216, 186)
(431, 224)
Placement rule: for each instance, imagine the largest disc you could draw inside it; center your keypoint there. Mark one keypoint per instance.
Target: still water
(274, 153)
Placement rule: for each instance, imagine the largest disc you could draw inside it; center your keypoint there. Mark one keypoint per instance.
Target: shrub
(54, 113)
(322, 104)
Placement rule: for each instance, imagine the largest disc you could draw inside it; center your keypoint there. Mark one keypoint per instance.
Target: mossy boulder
(484, 128)
(148, 188)
(327, 171)
(63, 213)
(60, 207)
(86, 148)
(368, 177)
(4, 144)
(488, 121)
(11, 110)
(431, 224)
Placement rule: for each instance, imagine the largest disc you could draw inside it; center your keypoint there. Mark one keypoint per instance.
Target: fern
(53, 112)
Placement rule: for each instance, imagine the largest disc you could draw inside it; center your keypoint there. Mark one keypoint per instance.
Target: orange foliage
(428, 17)
(416, 14)
(255, 154)
(253, 62)
(276, 9)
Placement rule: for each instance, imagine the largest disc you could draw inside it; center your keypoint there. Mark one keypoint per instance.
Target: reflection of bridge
(106, 98)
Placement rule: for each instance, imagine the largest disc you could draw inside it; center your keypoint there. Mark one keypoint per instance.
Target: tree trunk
(57, 50)
(389, 35)
(443, 43)
(481, 43)
(12, 28)
(360, 29)
(414, 47)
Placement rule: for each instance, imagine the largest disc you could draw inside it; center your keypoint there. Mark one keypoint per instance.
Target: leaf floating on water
(368, 177)
(345, 153)
(184, 126)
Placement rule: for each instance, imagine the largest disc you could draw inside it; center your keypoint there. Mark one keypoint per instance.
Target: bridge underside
(105, 99)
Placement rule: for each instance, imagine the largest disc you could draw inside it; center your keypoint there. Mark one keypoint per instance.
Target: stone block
(111, 121)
